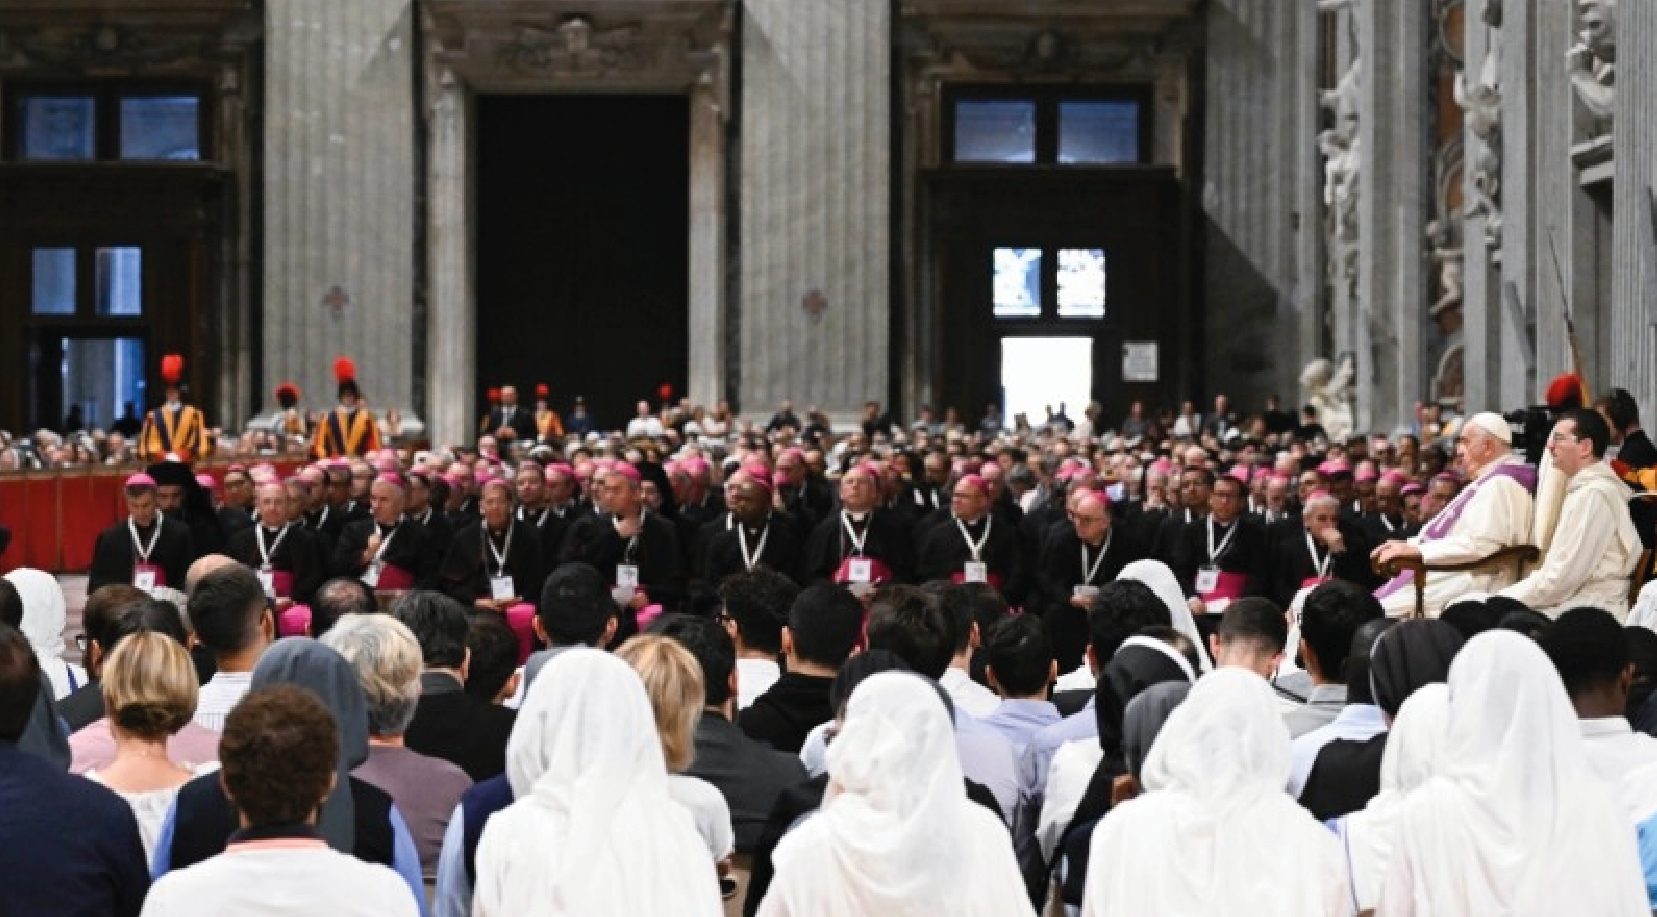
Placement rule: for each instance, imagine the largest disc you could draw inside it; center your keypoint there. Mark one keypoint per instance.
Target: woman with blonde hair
(149, 686)
(673, 682)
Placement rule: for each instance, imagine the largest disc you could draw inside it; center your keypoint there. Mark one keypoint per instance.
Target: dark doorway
(583, 248)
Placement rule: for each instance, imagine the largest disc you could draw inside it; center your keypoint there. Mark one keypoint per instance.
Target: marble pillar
(1258, 150)
(1634, 235)
(451, 345)
(1572, 230)
(707, 244)
(1481, 300)
(1392, 213)
(339, 196)
(1518, 294)
(816, 158)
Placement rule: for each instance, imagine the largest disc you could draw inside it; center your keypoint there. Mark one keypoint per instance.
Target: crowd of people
(696, 666)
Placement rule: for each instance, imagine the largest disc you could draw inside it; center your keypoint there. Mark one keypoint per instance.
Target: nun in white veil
(1214, 833)
(44, 614)
(897, 835)
(1415, 745)
(596, 832)
(1161, 580)
(1514, 820)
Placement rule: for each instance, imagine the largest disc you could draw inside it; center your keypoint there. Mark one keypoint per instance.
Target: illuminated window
(1081, 283)
(161, 127)
(995, 131)
(1098, 132)
(58, 127)
(1017, 282)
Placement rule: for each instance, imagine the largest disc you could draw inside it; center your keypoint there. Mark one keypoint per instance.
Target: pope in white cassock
(1492, 512)
(1589, 545)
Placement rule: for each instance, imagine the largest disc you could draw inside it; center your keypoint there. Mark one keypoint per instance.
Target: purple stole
(1441, 524)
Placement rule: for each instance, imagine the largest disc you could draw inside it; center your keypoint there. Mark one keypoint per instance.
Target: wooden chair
(1518, 555)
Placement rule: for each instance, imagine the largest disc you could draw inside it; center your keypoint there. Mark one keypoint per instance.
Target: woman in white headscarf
(896, 835)
(594, 830)
(1415, 744)
(1214, 832)
(43, 619)
(1514, 821)
(1161, 580)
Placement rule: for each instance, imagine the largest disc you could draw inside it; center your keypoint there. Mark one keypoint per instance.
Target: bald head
(207, 563)
(1091, 517)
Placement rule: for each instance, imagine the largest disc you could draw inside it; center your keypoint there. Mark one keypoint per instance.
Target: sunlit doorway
(1042, 374)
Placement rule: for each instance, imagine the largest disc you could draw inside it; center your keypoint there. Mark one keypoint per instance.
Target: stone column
(1569, 225)
(815, 185)
(1520, 242)
(451, 345)
(1392, 212)
(1310, 269)
(236, 394)
(339, 195)
(1481, 301)
(707, 243)
(1634, 235)
(1252, 198)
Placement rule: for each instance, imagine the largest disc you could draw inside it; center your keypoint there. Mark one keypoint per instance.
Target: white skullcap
(1492, 423)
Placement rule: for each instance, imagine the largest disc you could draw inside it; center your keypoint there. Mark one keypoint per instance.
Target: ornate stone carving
(1329, 389)
(1342, 163)
(1592, 61)
(1482, 104)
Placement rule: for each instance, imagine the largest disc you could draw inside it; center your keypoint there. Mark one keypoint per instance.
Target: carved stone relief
(1592, 61)
(1481, 104)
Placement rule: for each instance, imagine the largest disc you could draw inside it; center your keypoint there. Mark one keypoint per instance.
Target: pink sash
(394, 578)
(878, 571)
(281, 582)
(994, 579)
(1227, 586)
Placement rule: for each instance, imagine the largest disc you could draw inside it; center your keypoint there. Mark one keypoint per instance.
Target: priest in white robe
(1492, 512)
(1592, 546)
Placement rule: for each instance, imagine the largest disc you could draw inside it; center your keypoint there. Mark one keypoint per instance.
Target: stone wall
(339, 195)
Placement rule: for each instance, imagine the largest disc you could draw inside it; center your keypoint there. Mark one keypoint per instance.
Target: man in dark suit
(749, 774)
(449, 723)
(509, 420)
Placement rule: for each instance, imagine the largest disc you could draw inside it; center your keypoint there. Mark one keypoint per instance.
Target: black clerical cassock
(293, 553)
(879, 536)
(945, 551)
(473, 567)
(1217, 560)
(738, 548)
(407, 559)
(1067, 568)
(438, 528)
(122, 547)
(654, 551)
(550, 528)
(1298, 560)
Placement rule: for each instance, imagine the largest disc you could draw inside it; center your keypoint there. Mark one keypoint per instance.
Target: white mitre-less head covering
(1492, 423)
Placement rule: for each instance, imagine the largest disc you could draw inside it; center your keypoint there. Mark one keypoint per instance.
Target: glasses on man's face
(1562, 437)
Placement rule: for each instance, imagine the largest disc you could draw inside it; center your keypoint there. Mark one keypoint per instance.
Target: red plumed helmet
(172, 368)
(1565, 392)
(494, 396)
(287, 394)
(665, 390)
(344, 369)
(541, 390)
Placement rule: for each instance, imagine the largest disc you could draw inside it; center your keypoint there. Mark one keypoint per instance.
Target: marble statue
(1342, 151)
(1329, 390)
(1592, 61)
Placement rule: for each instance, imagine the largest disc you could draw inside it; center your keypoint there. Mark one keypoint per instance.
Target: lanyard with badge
(975, 570)
(627, 572)
(860, 569)
(1085, 589)
(371, 576)
(1208, 577)
(267, 572)
(500, 583)
(1320, 568)
(748, 560)
(144, 572)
